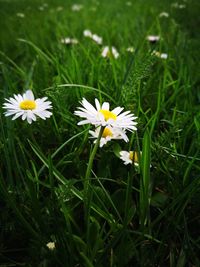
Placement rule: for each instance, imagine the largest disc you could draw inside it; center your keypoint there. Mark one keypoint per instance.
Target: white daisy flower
(153, 38)
(108, 134)
(27, 107)
(102, 116)
(69, 41)
(76, 7)
(107, 52)
(130, 157)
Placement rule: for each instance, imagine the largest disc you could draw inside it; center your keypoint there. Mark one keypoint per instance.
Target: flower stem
(87, 192)
(91, 159)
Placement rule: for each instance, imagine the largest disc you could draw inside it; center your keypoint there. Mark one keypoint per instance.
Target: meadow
(68, 197)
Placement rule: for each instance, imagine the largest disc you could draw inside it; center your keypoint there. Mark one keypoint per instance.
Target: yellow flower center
(108, 114)
(107, 132)
(133, 156)
(28, 105)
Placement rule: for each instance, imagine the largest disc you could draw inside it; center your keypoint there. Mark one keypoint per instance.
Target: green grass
(54, 185)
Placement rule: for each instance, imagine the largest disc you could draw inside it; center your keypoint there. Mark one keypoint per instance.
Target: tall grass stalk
(145, 182)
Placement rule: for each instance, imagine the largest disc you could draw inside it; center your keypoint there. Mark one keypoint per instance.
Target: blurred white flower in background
(93, 8)
(97, 39)
(160, 55)
(20, 15)
(110, 52)
(177, 5)
(68, 41)
(42, 7)
(128, 3)
(164, 14)
(153, 38)
(59, 8)
(87, 33)
(130, 49)
(182, 6)
(51, 245)
(76, 7)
